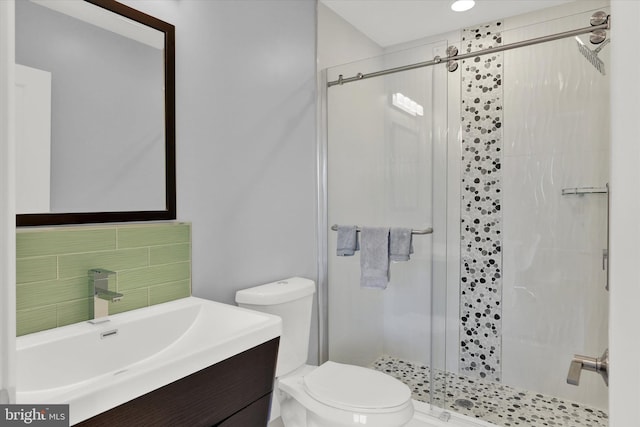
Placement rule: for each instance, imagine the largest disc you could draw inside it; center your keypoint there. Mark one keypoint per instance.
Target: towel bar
(428, 230)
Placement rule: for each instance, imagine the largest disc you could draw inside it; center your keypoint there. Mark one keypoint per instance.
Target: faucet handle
(595, 364)
(575, 369)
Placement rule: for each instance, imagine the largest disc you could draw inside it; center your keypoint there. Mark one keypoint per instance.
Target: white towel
(347, 242)
(400, 244)
(374, 257)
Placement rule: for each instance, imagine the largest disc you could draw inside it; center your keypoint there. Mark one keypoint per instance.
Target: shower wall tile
(481, 200)
(539, 216)
(152, 264)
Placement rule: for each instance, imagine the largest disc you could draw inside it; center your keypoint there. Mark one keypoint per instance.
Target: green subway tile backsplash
(74, 311)
(170, 253)
(77, 265)
(152, 264)
(67, 240)
(135, 298)
(31, 295)
(154, 275)
(169, 292)
(35, 320)
(36, 269)
(155, 235)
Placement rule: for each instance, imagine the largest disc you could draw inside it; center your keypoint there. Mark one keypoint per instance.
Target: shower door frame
(443, 141)
(322, 214)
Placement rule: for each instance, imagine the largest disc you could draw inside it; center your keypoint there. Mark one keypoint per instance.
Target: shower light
(407, 104)
(462, 5)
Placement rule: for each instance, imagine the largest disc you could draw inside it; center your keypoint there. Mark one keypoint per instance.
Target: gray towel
(400, 244)
(347, 242)
(374, 257)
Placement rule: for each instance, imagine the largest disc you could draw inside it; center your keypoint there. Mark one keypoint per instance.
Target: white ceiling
(389, 22)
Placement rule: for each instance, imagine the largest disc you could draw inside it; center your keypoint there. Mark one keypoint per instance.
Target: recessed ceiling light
(462, 5)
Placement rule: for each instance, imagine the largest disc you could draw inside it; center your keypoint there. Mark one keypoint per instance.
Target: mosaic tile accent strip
(481, 219)
(152, 264)
(490, 401)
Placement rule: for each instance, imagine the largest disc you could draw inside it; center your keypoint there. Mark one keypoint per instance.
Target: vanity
(188, 362)
(235, 392)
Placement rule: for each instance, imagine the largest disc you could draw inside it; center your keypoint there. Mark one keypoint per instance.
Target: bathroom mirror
(95, 113)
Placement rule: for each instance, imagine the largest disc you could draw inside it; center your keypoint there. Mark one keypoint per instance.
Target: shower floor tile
(493, 402)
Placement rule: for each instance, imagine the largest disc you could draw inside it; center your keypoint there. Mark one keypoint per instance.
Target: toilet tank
(291, 299)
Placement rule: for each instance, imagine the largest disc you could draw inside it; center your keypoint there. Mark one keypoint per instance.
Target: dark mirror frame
(170, 144)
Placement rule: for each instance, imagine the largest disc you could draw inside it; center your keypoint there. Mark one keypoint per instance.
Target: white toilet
(330, 395)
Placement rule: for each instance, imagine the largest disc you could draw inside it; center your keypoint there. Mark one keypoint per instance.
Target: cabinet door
(254, 415)
(204, 398)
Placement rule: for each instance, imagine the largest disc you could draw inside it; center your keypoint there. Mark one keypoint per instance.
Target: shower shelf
(429, 230)
(584, 190)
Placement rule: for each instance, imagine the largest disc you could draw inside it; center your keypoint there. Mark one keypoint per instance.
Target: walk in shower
(506, 157)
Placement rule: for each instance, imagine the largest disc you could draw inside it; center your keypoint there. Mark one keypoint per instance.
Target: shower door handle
(595, 364)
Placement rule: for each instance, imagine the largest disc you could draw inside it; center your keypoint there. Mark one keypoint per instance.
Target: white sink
(97, 367)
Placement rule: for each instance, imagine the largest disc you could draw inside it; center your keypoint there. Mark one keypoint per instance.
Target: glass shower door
(533, 228)
(386, 167)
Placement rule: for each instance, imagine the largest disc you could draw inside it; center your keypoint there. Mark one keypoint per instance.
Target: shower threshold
(489, 402)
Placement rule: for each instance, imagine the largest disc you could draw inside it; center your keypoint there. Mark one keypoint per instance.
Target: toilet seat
(333, 395)
(354, 388)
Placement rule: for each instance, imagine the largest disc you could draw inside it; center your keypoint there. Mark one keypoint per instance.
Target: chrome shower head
(592, 55)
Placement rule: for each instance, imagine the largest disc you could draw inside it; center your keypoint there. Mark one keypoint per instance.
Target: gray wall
(246, 108)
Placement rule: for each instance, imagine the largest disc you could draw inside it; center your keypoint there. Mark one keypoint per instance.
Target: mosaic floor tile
(493, 402)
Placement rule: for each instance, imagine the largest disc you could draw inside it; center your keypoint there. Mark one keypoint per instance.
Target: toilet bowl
(332, 394)
(339, 395)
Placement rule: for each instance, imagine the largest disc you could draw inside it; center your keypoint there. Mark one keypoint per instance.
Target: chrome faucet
(99, 279)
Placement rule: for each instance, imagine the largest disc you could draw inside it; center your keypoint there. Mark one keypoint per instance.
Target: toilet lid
(347, 386)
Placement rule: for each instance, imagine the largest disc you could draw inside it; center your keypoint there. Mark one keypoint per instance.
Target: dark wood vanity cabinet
(233, 393)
